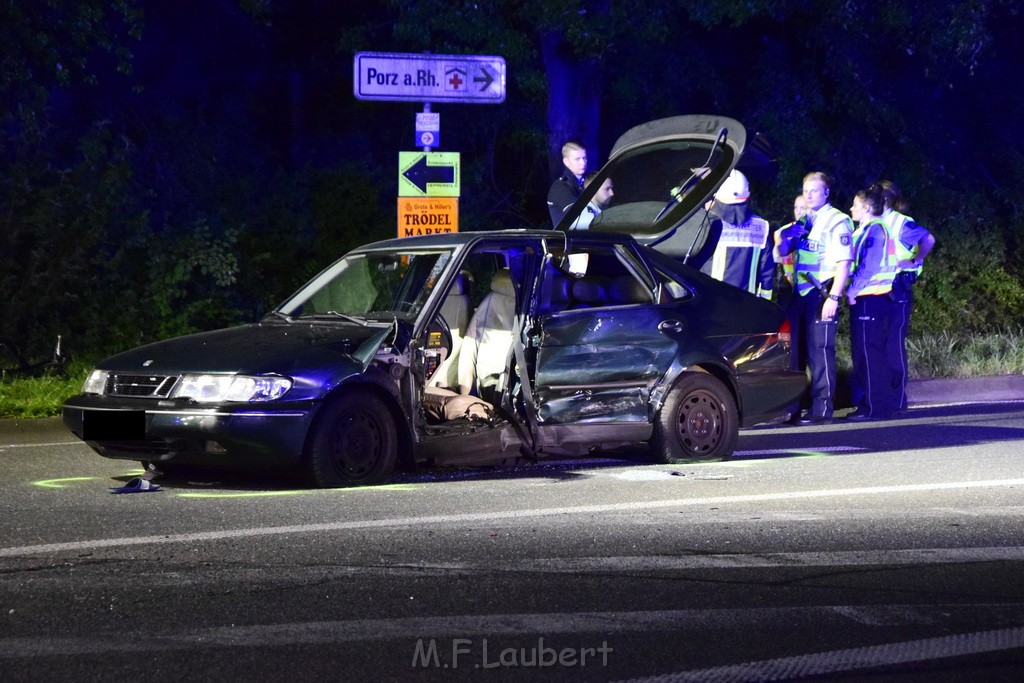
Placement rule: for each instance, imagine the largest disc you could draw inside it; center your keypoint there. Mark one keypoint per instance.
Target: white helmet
(735, 189)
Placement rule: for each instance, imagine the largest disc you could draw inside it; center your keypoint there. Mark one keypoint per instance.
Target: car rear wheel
(355, 443)
(697, 422)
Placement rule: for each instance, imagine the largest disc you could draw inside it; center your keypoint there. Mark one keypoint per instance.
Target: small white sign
(428, 121)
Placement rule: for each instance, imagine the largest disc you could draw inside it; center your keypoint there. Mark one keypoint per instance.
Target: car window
(372, 284)
(672, 288)
(590, 277)
(671, 276)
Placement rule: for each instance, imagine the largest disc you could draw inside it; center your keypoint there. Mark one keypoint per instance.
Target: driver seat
(483, 358)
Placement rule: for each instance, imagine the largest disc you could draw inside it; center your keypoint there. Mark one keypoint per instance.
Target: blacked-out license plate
(113, 425)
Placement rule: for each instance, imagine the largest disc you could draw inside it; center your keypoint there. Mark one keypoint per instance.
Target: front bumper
(239, 435)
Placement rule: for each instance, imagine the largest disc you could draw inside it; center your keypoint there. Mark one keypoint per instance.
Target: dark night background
(168, 166)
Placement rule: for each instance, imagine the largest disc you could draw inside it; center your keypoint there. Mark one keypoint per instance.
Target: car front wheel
(355, 443)
(697, 422)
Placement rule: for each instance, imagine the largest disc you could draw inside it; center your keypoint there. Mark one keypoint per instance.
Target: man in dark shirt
(569, 185)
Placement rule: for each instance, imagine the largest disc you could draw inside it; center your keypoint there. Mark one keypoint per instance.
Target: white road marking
(837, 558)
(550, 625)
(470, 518)
(816, 449)
(38, 445)
(842, 661)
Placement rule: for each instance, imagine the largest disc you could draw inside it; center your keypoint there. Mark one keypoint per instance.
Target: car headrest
(589, 290)
(626, 289)
(501, 283)
(560, 289)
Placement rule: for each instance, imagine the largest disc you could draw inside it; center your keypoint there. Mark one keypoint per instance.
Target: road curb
(27, 429)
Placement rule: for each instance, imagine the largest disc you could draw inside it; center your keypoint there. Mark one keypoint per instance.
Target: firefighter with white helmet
(743, 257)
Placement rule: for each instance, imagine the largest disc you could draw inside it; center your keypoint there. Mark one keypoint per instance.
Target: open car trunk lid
(663, 172)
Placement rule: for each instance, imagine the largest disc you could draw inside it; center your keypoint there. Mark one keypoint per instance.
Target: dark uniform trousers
(903, 295)
(873, 327)
(814, 347)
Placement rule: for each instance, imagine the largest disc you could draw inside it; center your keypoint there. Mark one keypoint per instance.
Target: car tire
(696, 423)
(355, 442)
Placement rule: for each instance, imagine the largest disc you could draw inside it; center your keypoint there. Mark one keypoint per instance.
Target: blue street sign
(428, 138)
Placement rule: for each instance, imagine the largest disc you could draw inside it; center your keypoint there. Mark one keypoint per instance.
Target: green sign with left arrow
(428, 174)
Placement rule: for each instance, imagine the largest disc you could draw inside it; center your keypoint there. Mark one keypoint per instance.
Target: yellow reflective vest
(895, 223)
(881, 281)
(810, 255)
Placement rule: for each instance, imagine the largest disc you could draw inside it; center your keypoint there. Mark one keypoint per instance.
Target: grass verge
(962, 355)
(30, 397)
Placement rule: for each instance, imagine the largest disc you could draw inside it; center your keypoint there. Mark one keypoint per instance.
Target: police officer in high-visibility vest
(823, 243)
(787, 261)
(742, 257)
(913, 244)
(872, 307)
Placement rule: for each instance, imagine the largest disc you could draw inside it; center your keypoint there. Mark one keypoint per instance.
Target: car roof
(460, 239)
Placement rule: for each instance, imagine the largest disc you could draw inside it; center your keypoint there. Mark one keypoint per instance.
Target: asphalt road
(887, 551)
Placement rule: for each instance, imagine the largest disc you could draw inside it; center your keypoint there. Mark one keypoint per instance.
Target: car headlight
(96, 382)
(241, 388)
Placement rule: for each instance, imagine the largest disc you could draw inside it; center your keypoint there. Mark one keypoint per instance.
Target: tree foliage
(148, 190)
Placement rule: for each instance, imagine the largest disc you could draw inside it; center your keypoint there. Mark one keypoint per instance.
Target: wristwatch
(835, 297)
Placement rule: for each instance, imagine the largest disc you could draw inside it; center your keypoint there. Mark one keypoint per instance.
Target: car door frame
(621, 408)
(511, 437)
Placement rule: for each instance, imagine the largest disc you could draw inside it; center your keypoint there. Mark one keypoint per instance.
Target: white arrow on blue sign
(429, 78)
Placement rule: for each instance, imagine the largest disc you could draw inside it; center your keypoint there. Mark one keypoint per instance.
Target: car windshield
(374, 284)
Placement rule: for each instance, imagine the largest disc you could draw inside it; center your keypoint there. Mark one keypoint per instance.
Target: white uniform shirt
(833, 226)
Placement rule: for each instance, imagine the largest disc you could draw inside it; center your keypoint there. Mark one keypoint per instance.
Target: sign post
(428, 182)
(428, 174)
(428, 129)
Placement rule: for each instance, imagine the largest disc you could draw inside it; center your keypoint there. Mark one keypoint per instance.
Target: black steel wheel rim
(357, 444)
(700, 421)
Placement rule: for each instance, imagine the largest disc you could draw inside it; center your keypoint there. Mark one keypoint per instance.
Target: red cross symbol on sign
(455, 81)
